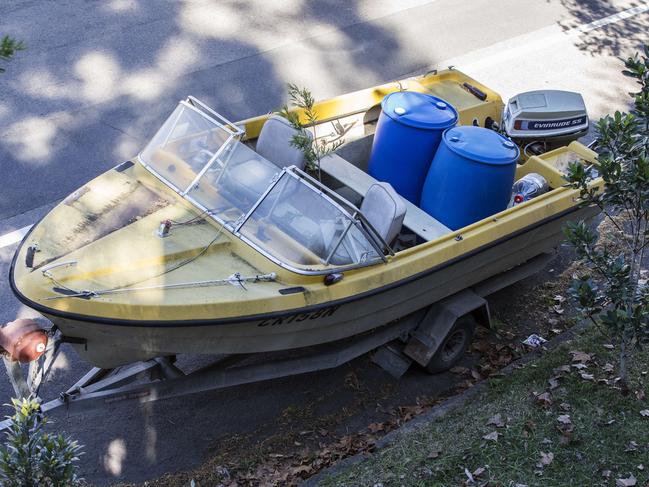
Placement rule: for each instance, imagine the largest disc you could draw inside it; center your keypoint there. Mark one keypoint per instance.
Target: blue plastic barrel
(471, 176)
(407, 135)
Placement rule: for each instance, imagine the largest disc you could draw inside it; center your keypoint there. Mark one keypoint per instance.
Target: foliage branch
(313, 146)
(613, 295)
(31, 457)
(8, 49)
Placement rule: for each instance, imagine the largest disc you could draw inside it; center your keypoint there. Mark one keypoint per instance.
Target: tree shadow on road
(613, 39)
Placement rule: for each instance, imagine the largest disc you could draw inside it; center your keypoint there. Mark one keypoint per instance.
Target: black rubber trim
(292, 290)
(124, 166)
(264, 316)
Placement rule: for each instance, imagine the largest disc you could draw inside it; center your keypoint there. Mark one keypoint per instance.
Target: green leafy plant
(613, 294)
(31, 457)
(314, 147)
(8, 49)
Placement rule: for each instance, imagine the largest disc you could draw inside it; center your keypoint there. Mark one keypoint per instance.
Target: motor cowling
(550, 117)
(24, 340)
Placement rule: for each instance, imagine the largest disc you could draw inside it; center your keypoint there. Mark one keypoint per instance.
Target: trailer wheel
(454, 345)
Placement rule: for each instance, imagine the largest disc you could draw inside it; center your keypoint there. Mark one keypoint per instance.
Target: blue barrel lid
(481, 145)
(419, 110)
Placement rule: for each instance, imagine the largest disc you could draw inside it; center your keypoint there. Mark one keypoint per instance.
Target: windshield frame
(234, 132)
(355, 217)
(350, 211)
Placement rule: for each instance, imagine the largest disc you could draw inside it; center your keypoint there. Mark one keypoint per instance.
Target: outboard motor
(542, 120)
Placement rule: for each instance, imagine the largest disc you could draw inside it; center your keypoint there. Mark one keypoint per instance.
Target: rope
(234, 279)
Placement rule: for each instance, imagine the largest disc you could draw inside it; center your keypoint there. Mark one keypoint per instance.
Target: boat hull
(108, 344)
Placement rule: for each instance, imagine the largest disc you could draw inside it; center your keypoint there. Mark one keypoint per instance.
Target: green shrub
(31, 457)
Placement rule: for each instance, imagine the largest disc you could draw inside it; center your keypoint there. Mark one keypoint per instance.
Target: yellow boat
(206, 243)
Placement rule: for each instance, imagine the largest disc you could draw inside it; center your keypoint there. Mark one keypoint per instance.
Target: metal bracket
(438, 321)
(390, 359)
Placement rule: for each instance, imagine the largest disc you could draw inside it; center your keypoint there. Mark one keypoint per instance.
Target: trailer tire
(454, 345)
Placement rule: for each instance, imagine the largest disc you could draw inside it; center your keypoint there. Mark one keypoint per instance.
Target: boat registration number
(314, 315)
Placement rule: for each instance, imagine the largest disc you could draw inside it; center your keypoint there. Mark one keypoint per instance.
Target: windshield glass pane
(234, 182)
(184, 145)
(299, 226)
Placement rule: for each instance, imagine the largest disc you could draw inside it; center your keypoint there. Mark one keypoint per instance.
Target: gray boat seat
(384, 209)
(274, 143)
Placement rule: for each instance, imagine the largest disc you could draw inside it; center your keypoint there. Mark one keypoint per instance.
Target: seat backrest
(274, 143)
(384, 209)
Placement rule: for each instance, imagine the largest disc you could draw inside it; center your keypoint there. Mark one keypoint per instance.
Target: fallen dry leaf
(302, 469)
(586, 376)
(529, 426)
(479, 471)
(565, 406)
(496, 420)
(632, 446)
(609, 368)
(544, 399)
(559, 299)
(630, 481)
(645, 413)
(580, 366)
(469, 476)
(580, 356)
(608, 346)
(564, 419)
(493, 436)
(546, 459)
(553, 383)
(558, 309)
(640, 395)
(435, 453)
(459, 370)
(606, 474)
(352, 381)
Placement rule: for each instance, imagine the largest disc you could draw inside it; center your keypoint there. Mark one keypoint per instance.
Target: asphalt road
(100, 75)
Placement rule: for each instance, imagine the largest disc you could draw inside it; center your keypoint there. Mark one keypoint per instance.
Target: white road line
(528, 44)
(14, 237)
(625, 14)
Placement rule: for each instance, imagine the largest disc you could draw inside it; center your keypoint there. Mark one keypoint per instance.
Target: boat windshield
(300, 225)
(281, 212)
(187, 145)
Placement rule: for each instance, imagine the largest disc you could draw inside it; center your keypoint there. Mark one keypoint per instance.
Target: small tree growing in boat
(614, 294)
(314, 147)
(31, 457)
(8, 49)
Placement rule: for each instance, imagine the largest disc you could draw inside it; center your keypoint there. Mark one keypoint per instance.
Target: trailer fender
(438, 321)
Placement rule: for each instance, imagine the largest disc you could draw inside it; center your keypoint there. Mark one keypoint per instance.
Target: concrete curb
(443, 408)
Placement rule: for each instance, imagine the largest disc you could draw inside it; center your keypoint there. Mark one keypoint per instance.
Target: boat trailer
(415, 338)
